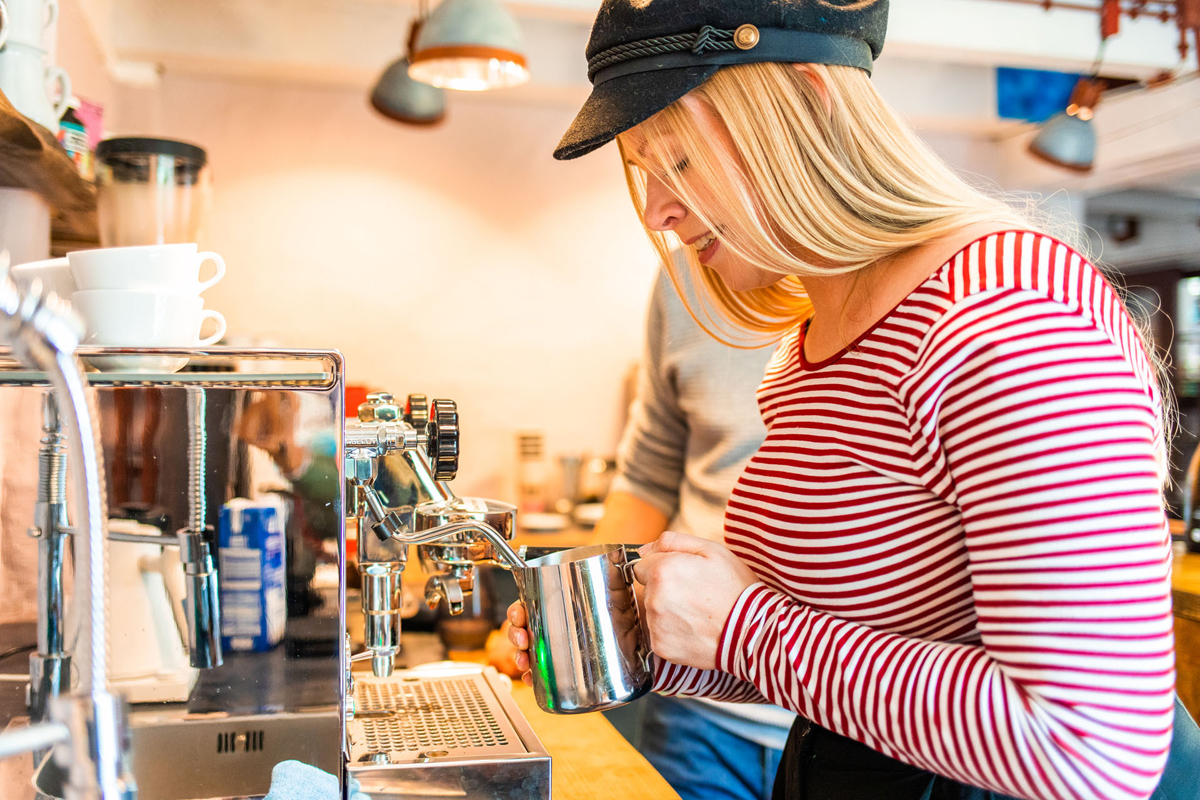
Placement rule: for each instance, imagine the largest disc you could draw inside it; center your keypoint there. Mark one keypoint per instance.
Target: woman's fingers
(519, 637)
(516, 614)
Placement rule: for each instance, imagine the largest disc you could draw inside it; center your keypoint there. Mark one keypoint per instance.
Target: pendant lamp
(399, 97)
(470, 45)
(1068, 139)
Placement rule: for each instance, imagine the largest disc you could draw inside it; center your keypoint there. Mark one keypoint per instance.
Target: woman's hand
(518, 634)
(691, 586)
(501, 653)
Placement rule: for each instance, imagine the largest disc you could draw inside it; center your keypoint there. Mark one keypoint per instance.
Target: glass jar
(151, 191)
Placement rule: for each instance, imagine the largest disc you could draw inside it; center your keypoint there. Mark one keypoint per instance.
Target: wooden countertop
(590, 760)
(1185, 583)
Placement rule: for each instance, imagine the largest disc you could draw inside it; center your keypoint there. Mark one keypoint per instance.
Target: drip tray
(443, 733)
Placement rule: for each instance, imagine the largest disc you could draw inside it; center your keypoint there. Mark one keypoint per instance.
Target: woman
(950, 554)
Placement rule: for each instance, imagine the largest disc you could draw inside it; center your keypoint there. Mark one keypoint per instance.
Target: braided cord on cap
(707, 38)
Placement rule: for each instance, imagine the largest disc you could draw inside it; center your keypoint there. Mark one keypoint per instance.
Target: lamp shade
(399, 97)
(470, 45)
(1066, 141)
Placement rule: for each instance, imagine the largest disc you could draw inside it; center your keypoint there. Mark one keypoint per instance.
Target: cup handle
(217, 317)
(52, 16)
(57, 74)
(3, 24)
(220, 264)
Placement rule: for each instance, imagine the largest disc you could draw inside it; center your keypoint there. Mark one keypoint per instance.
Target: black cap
(644, 55)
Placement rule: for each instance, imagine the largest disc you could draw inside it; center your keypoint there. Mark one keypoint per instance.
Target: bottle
(531, 472)
(72, 135)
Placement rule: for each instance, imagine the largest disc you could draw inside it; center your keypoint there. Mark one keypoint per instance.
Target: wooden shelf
(31, 158)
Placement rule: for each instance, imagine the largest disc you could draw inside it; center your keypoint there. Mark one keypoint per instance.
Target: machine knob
(380, 406)
(442, 434)
(416, 411)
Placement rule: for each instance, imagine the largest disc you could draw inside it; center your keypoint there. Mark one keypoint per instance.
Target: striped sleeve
(1029, 419)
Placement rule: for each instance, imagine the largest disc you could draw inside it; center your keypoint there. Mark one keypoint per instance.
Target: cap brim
(617, 105)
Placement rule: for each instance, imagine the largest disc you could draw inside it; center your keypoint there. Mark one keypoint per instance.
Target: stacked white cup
(145, 296)
(27, 78)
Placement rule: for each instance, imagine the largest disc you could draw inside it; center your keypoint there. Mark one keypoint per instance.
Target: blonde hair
(814, 189)
(822, 183)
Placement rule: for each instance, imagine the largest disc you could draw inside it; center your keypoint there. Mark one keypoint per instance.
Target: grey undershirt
(692, 428)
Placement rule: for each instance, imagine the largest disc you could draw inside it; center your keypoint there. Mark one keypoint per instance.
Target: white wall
(460, 261)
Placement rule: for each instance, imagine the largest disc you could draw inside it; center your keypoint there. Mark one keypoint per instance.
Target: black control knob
(416, 411)
(442, 433)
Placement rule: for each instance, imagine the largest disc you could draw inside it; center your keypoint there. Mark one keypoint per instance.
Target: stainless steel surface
(382, 603)
(224, 757)
(434, 489)
(290, 693)
(586, 649)
(50, 666)
(454, 732)
(530, 552)
(44, 335)
(501, 554)
(202, 601)
(471, 547)
(97, 734)
(209, 367)
(38, 737)
(383, 533)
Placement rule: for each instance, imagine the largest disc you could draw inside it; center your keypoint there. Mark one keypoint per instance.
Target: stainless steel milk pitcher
(586, 647)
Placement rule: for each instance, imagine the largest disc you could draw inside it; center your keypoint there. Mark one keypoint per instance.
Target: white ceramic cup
(28, 82)
(29, 19)
(169, 268)
(5, 27)
(123, 318)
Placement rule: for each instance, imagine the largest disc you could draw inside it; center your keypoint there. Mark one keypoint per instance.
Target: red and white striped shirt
(959, 533)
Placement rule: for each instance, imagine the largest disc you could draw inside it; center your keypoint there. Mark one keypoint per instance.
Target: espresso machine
(263, 426)
(468, 739)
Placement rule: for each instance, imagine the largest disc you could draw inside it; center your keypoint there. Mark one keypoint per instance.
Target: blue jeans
(701, 760)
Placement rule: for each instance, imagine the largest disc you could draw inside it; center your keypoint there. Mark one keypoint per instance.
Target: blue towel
(295, 780)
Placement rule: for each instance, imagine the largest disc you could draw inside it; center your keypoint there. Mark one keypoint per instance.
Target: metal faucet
(427, 435)
(50, 666)
(87, 728)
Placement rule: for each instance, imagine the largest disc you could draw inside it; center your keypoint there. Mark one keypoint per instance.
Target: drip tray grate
(412, 717)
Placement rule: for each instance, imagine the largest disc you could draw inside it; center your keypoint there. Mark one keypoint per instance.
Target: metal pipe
(202, 602)
(44, 334)
(445, 531)
(91, 551)
(33, 738)
(437, 490)
(50, 666)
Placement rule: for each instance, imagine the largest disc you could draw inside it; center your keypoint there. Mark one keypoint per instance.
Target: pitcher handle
(627, 571)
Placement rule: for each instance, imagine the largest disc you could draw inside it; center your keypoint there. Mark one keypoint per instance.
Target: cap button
(746, 36)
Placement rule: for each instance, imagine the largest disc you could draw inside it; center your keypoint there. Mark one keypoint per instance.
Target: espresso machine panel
(263, 426)
(446, 732)
(235, 476)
